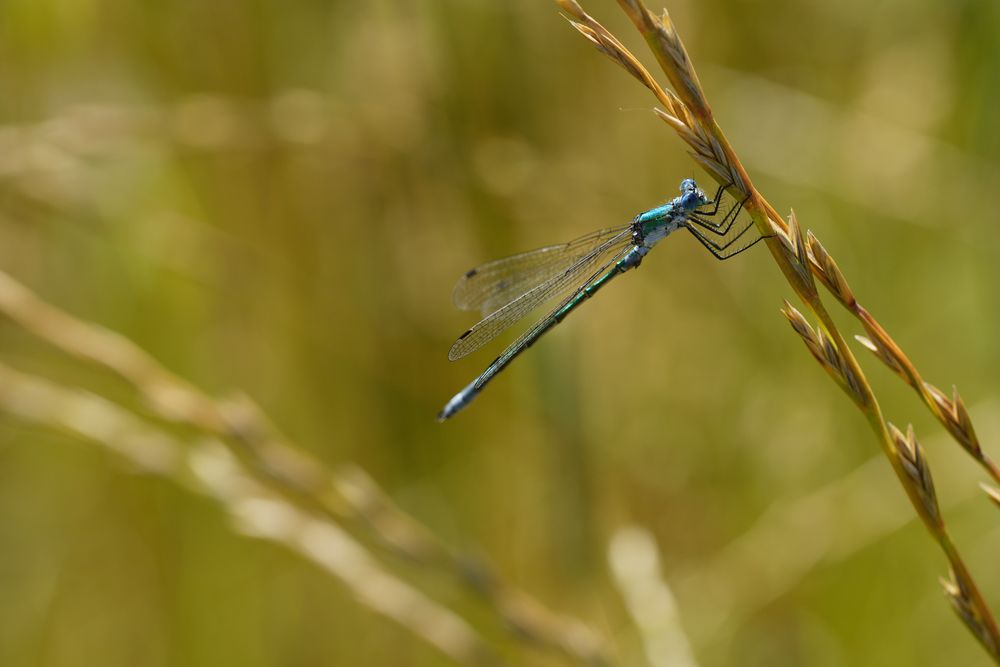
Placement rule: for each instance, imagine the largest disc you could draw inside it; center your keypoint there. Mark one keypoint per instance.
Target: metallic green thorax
(648, 222)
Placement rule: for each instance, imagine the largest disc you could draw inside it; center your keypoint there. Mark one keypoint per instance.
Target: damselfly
(506, 290)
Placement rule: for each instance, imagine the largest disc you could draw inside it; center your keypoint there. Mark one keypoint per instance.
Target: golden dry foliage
(802, 260)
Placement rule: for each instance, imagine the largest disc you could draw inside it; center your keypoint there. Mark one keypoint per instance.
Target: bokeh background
(277, 197)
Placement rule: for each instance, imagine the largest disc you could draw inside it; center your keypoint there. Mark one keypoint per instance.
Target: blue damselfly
(506, 290)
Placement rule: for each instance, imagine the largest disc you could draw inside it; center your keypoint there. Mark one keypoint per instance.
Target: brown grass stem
(801, 260)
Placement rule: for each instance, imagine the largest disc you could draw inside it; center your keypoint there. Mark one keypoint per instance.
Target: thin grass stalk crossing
(206, 467)
(343, 497)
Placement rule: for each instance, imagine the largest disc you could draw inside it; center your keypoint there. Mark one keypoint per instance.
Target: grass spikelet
(609, 45)
(805, 330)
(911, 457)
(992, 493)
(953, 414)
(882, 354)
(688, 114)
(950, 412)
(797, 256)
(685, 132)
(608, 48)
(826, 269)
(668, 48)
(960, 592)
(825, 351)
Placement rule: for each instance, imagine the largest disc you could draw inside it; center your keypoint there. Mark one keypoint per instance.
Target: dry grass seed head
(955, 417)
(964, 602)
(911, 458)
(829, 273)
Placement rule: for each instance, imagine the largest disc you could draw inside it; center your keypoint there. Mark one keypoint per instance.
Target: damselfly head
(691, 195)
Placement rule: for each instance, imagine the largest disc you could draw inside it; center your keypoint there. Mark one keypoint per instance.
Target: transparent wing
(548, 321)
(494, 284)
(568, 278)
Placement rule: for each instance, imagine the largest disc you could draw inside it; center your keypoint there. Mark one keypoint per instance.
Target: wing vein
(541, 325)
(494, 284)
(498, 321)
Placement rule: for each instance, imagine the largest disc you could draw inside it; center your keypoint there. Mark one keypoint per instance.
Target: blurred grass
(277, 198)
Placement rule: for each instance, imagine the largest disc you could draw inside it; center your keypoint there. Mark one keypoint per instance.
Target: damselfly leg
(716, 200)
(724, 238)
(730, 248)
(722, 226)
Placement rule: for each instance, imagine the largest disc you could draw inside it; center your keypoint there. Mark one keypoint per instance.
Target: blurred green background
(277, 197)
